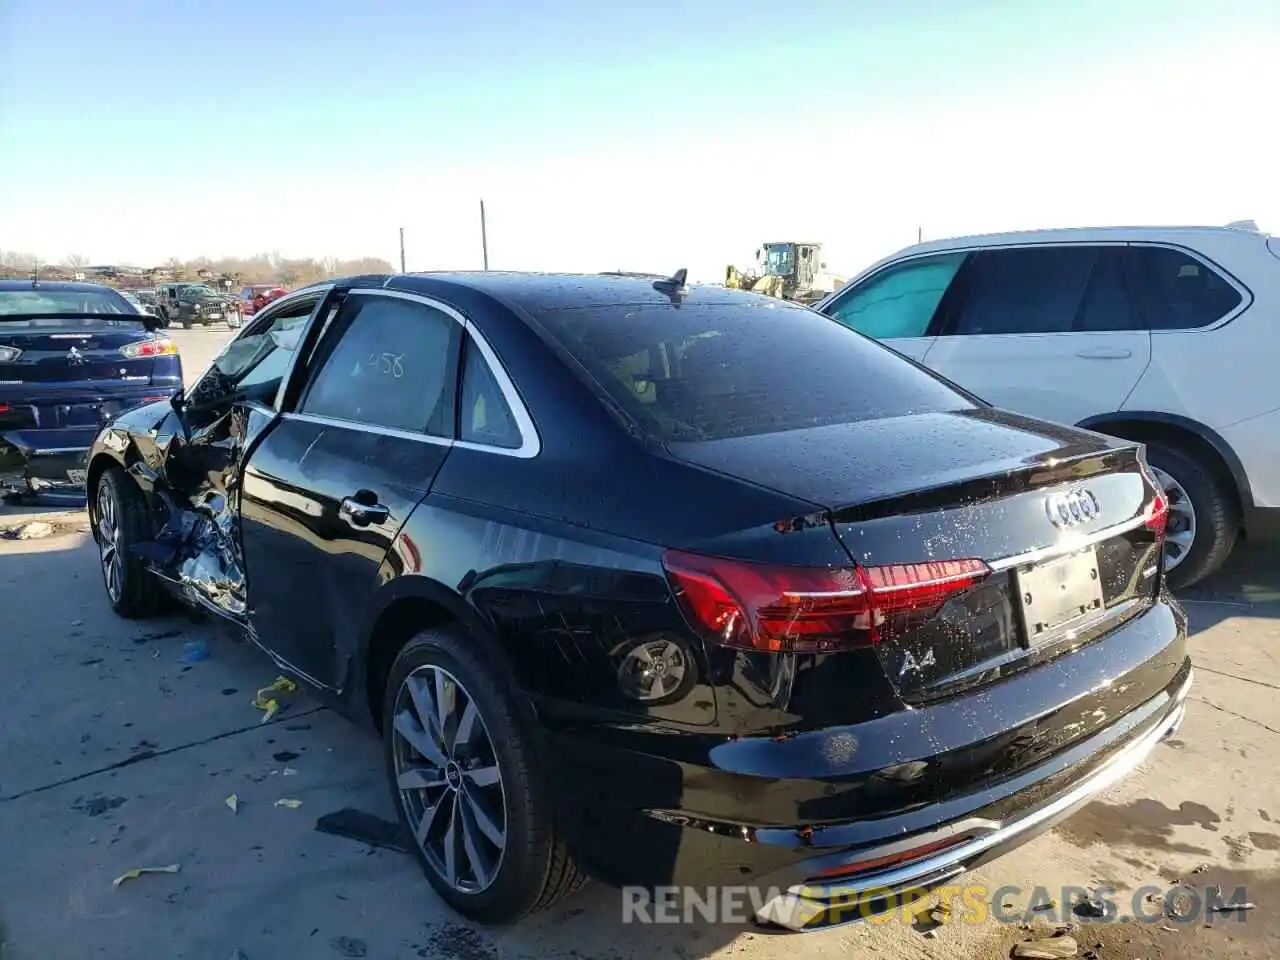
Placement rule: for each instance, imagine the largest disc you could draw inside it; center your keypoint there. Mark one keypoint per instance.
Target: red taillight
(777, 609)
(159, 347)
(4, 408)
(1157, 514)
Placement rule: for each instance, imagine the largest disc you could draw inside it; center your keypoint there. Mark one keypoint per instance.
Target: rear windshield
(713, 371)
(63, 301)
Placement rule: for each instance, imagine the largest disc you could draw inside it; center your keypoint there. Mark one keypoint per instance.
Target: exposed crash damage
(188, 462)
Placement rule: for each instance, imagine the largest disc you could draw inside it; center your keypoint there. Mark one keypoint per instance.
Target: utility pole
(402, 270)
(484, 236)
(919, 234)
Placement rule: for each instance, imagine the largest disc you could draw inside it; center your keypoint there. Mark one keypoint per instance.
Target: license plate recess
(1058, 596)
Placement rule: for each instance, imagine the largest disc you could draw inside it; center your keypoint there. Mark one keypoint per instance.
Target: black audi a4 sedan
(666, 584)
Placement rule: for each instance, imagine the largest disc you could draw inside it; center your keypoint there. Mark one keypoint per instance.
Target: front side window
(1024, 290)
(1178, 292)
(254, 363)
(714, 370)
(899, 301)
(387, 364)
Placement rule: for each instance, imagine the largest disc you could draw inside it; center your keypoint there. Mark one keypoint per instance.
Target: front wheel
(1204, 519)
(122, 522)
(462, 757)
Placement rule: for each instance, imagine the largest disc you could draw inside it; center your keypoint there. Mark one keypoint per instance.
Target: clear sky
(623, 135)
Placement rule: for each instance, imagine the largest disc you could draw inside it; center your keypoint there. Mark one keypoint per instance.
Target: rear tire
(492, 883)
(123, 521)
(1201, 497)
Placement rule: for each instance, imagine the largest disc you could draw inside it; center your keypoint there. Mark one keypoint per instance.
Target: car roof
(1078, 235)
(538, 293)
(67, 286)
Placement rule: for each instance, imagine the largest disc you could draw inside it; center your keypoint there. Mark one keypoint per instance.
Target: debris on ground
(194, 652)
(349, 947)
(1213, 896)
(1091, 907)
(284, 756)
(31, 530)
(289, 772)
(1053, 948)
(98, 805)
(139, 871)
(288, 803)
(268, 704)
(162, 635)
(363, 828)
(233, 802)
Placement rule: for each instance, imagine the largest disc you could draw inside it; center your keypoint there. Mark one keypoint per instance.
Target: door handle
(1105, 353)
(361, 512)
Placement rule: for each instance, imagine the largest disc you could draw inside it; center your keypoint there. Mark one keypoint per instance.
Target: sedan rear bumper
(808, 904)
(979, 775)
(31, 459)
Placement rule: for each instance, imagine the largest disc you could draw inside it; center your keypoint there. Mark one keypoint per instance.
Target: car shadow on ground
(1248, 585)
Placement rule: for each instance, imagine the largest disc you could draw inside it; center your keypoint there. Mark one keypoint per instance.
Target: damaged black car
(72, 356)
(660, 583)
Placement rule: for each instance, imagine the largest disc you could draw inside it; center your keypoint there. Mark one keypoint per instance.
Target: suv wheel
(462, 757)
(1204, 519)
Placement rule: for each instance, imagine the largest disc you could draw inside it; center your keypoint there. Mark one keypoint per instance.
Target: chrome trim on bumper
(802, 904)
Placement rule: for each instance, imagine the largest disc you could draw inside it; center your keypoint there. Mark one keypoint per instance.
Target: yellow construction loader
(788, 269)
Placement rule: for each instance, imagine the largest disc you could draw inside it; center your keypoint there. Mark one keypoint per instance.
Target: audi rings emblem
(1072, 507)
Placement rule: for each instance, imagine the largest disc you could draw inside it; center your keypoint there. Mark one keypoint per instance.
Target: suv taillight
(777, 609)
(1156, 516)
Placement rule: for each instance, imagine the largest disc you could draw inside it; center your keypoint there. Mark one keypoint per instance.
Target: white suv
(1165, 335)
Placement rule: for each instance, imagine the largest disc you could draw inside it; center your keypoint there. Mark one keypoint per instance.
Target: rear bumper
(35, 458)
(805, 904)
(46, 434)
(965, 779)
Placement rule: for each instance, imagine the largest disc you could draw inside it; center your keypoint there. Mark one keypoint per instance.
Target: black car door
(232, 404)
(329, 487)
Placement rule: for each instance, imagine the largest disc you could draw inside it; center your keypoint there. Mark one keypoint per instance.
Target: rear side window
(483, 414)
(899, 301)
(1106, 307)
(1175, 291)
(387, 365)
(709, 371)
(1025, 290)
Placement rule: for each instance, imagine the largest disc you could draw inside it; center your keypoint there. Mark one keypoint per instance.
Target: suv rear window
(710, 371)
(1178, 292)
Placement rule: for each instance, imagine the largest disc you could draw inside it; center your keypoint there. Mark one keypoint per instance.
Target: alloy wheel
(1180, 533)
(109, 544)
(447, 774)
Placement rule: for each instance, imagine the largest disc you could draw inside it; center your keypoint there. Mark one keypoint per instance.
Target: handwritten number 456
(387, 364)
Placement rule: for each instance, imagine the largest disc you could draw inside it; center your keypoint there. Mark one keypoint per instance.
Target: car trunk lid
(1054, 517)
(72, 350)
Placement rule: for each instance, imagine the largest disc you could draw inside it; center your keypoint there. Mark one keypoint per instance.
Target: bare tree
(75, 262)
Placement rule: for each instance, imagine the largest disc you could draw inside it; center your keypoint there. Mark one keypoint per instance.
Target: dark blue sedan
(72, 356)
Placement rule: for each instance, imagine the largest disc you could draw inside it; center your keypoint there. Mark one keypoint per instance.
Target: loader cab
(797, 262)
